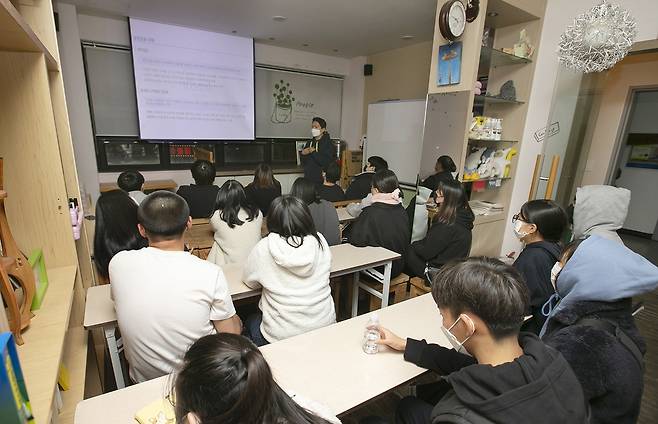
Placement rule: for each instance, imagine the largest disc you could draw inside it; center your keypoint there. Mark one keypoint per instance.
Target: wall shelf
(493, 58)
(486, 179)
(485, 99)
(17, 35)
(491, 141)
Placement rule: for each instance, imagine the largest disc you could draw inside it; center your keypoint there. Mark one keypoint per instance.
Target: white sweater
(296, 295)
(233, 245)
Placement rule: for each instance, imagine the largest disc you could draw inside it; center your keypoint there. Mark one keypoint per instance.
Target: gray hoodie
(600, 210)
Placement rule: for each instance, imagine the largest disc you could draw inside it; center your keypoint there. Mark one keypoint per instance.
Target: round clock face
(457, 19)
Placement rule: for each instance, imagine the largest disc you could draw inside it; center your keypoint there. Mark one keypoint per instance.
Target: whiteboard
(395, 132)
(286, 102)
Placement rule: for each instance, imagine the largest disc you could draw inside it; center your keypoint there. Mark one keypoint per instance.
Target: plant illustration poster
(283, 102)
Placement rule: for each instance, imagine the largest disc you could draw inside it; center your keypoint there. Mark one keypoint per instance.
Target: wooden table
(326, 365)
(343, 216)
(346, 259)
(149, 186)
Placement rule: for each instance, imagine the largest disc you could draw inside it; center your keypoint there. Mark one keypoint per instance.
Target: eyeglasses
(518, 217)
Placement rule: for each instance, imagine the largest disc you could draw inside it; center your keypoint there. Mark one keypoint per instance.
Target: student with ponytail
(444, 168)
(225, 379)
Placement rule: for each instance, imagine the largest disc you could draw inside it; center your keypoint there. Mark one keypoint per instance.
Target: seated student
(449, 237)
(263, 189)
(361, 183)
(600, 210)
(225, 379)
(325, 217)
(292, 266)
(384, 223)
(444, 168)
(236, 223)
(166, 298)
(329, 190)
(510, 377)
(132, 182)
(116, 229)
(201, 195)
(592, 324)
(539, 225)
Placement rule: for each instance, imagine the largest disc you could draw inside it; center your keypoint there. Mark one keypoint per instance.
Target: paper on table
(160, 411)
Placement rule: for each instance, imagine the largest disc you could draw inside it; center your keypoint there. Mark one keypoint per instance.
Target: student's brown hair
(454, 198)
(263, 176)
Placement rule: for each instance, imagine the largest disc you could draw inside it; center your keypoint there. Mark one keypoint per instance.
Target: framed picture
(643, 156)
(40, 277)
(450, 64)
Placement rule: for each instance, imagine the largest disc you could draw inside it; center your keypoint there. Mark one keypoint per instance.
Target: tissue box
(14, 403)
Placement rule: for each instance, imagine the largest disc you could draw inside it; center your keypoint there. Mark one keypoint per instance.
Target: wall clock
(452, 20)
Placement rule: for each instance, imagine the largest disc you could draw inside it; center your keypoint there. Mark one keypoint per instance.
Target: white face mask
(459, 346)
(517, 229)
(555, 271)
(315, 132)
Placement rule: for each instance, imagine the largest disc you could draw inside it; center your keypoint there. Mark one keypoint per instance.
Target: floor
(647, 320)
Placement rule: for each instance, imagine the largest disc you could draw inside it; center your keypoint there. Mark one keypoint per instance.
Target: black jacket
(332, 193)
(200, 199)
(539, 387)
(262, 197)
(442, 243)
(432, 182)
(611, 377)
(360, 186)
(535, 263)
(315, 162)
(384, 225)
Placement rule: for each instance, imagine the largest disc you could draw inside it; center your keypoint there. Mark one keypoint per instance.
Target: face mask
(459, 347)
(315, 132)
(555, 271)
(517, 229)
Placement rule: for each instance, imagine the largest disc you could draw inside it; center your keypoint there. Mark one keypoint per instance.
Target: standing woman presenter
(318, 152)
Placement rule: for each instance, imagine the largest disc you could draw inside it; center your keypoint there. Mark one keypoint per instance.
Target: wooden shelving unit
(40, 177)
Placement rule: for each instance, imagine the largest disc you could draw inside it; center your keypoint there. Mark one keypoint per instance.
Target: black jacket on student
(611, 377)
(360, 186)
(539, 387)
(200, 199)
(262, 197)
(432, 182)
(384, 225)
(332, 193)
(442, 243)
(315, 162)
(535, 263)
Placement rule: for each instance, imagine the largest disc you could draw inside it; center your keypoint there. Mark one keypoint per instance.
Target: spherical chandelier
(597, 39)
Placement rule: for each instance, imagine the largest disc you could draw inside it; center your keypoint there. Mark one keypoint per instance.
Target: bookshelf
(40, 177)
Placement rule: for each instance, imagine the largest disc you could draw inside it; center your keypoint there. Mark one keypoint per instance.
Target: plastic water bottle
(371, 335)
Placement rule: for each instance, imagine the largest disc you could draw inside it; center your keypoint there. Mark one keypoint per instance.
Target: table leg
(355, 295)
(114, 356)
(386, 284)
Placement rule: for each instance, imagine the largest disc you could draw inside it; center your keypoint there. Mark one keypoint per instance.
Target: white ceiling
(345, 28)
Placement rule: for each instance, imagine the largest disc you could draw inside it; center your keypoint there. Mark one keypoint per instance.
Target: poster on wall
(643, 156)
(286, 102)
(450, 63)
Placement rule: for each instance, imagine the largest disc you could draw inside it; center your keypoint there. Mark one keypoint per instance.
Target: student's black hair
(385, 181)
(116, 228)
(203, 172)
(290, 218)
(230, 200)
(164, 215)
(320, 121)
(130, 181)
(224, 378)
(306, 190)
(332, 173)
(446, 163)
(378, 162)
(549, 217)
(486, 287)
(454, 199)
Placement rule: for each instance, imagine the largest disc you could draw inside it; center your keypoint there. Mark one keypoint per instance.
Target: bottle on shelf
(371, 335)
(498, 129)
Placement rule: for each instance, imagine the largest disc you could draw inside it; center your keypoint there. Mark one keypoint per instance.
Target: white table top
(326, 365)
(345, 259)
(344, 216)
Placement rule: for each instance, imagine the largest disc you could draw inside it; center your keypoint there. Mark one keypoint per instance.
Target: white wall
(75, 27)
(559, 14)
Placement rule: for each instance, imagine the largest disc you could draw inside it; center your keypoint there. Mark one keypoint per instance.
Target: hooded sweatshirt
(600, 210)
(443, 243)
(598, 282)
(296, 295)
(538, 387)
